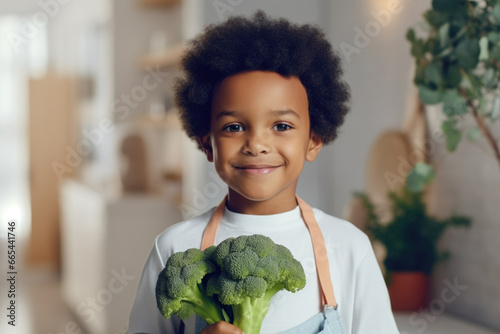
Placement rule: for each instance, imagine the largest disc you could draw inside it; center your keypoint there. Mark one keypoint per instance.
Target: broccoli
(233, 281)
(180, 289)
(252, 270)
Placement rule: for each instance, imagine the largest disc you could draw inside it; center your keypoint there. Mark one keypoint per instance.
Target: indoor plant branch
(482, 125)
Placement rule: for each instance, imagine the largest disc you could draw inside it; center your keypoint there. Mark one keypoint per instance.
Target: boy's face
(260, 135)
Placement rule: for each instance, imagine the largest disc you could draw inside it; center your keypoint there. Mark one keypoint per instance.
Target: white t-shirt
(358, 283)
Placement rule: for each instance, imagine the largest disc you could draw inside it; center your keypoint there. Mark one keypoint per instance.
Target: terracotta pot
(408, 290)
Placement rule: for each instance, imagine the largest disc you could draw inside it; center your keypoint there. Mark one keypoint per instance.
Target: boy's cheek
(224, 176)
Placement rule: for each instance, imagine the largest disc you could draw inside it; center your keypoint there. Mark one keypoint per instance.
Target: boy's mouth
(257, 169)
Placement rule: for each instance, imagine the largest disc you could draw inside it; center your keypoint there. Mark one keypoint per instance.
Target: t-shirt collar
(281, 219)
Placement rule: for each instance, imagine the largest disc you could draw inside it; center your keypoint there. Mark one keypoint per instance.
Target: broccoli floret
(252, 270)
(180, 289)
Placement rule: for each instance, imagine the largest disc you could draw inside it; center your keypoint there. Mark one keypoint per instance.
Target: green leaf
(449, 6)
(458, 221)
(417, 49)
(453, 76)
(410, 35)
(453, 135)
(467, 53)
(494, 37)
(429, 96)
(435, 19)
(483, 47)
(444, 53)
(474, 134)
(454, 103)
(457, 29)
(433, 73)
(419, 75)
(496, 12)
(444, 33)
(431, 45)
(419, 176)
(475, 86)
(445, 6)
(495, 53)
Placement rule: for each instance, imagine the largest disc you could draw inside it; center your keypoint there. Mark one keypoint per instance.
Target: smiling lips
(257, 169)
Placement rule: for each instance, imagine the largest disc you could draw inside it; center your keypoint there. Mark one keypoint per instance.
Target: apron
(327, 322)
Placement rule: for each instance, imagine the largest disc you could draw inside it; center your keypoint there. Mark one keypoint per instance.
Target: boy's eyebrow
(273, 113)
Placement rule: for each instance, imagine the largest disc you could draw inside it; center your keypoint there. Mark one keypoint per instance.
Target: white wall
(468, 183)
(19, 7)
(380, 78)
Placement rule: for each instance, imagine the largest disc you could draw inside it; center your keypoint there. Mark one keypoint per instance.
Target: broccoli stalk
(250, 313)
(180, 289)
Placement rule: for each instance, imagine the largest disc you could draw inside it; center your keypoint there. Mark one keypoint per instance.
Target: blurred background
(94, 164)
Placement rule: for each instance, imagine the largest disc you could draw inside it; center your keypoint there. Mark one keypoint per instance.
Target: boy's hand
(221, 327)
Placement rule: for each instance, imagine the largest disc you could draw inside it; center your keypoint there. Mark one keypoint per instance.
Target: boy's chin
(255, 195)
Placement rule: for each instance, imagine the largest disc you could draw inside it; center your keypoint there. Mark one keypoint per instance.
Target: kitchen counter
(410, 323)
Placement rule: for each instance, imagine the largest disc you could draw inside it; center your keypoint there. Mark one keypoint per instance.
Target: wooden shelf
(169, 57)
(160, 3)
(175, 176)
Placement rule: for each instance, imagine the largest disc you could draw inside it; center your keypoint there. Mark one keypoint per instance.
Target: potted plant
(411, 240)
(457, 56)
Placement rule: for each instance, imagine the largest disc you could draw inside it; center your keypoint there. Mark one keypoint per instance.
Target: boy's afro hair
(261, 43)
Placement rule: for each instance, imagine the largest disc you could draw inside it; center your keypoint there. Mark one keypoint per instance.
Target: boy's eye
(232, 127)
(283, 126)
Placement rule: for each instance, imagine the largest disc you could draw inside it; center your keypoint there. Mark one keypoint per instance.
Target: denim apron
(329, 320)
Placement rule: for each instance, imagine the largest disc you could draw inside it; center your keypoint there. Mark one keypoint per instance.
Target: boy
(261, 97)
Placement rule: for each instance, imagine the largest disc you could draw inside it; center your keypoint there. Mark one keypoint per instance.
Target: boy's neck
(282, 202)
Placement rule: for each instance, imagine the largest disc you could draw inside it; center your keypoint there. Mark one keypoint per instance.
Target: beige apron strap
(319, 247)
(320, 254)
(211, 229)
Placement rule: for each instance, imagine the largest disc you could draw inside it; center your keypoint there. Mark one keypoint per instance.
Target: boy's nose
(255, 143)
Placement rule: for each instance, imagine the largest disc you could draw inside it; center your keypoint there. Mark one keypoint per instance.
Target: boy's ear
(314, 146)
(206, 143)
